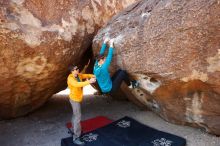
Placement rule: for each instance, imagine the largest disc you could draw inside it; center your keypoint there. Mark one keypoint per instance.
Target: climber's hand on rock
(112, 43)
(106, 40)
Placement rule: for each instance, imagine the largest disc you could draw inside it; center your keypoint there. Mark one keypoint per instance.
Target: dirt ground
(46, 126)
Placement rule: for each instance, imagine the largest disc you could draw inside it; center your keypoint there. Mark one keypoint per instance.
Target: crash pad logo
(90, 137)
(124, 124)
(162, 142)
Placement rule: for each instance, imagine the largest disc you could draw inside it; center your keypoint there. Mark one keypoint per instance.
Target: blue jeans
(117, 78)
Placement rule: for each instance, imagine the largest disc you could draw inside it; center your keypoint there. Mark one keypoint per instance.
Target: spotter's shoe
(77, 141)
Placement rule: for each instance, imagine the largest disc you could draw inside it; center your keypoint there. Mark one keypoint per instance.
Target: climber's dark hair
(99, 57)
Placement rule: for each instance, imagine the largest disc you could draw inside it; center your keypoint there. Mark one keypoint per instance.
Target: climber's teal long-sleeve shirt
(101, 72)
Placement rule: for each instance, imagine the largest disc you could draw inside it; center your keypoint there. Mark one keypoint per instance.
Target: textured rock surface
(39, 39)
(173, 48)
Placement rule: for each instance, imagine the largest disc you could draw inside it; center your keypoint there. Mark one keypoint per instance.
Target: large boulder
(172, 47)
(39, 39)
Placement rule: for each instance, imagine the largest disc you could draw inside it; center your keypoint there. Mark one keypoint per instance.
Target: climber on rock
(107, 84)
(75, 84)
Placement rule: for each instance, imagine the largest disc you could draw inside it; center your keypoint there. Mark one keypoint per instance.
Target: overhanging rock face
(39, 39)
(172, 47)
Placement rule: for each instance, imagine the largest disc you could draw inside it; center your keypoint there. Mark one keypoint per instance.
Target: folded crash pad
(92, 124)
